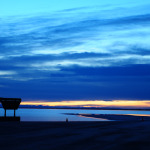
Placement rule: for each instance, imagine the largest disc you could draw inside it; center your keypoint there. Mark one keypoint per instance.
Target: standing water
(62, 114)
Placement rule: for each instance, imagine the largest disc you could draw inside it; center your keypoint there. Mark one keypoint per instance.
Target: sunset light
(95, 103)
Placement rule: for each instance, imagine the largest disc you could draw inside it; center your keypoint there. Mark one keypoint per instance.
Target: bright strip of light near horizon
(96, 103)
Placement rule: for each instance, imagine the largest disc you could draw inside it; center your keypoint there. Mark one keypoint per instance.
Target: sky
(75, 50)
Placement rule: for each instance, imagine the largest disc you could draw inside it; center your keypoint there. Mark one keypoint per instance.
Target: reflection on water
(61, 114)
(146, 115)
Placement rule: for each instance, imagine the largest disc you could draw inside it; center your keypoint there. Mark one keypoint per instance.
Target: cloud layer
(77, 54)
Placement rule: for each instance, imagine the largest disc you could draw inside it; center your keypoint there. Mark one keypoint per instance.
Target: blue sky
(56, 50)
(17, 7)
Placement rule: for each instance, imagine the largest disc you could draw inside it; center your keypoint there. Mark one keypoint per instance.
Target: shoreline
(118, 117)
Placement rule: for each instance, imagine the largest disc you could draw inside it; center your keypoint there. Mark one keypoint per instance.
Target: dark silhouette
(12, 104)
(66, 119)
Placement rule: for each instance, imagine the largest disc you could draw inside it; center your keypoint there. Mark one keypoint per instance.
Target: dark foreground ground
(127, 135)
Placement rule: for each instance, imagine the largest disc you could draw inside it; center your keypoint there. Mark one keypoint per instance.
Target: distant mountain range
(87, 108)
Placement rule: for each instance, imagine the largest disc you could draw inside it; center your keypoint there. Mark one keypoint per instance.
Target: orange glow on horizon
(94, 103)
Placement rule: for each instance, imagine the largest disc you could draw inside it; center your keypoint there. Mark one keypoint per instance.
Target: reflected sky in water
(59, 114)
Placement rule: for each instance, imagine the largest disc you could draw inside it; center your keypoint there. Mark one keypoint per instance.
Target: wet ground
(75, 135)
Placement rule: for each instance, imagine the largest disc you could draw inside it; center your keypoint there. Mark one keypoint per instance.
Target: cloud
(2, 73)
(78, 55)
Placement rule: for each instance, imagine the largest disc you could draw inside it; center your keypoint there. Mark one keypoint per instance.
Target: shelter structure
(10, 103)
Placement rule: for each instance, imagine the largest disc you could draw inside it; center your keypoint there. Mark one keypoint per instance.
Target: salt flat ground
(111, 135)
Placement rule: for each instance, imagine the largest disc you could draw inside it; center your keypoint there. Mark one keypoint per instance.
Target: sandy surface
(75, 135)
(118, 117)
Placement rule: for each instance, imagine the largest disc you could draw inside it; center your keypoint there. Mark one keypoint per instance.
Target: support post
(14, 113)
(5, 112)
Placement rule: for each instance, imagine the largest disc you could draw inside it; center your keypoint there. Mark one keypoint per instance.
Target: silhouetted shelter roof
(10, 103)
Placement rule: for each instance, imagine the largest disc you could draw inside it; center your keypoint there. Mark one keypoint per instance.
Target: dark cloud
(130, 70)
(110, 88)
(130, 82)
